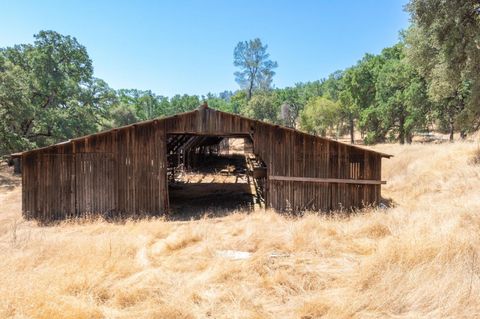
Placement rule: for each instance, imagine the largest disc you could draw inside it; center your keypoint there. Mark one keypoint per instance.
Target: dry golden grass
(418, 259)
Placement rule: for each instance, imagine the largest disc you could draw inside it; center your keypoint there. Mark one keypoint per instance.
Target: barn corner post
(73, 183)
(379, 177)
(25, 193)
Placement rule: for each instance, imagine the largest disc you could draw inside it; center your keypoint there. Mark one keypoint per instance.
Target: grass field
(420, 258)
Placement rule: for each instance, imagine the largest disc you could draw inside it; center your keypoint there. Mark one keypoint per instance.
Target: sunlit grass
(417, 259)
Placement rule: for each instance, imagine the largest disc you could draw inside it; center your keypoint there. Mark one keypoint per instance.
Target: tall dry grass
(418, 259)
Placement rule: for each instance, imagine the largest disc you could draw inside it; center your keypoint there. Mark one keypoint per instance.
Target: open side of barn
(125, 171)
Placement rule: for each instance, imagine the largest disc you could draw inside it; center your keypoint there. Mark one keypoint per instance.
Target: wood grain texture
(124, 171)
(325, 180)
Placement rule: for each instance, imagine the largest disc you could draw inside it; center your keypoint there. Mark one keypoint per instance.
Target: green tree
(401, 96)
(290, 105)
(332, 86)
(183, 103)
(444, 46)
(263, 106)
(256, 69)
(15, 107)
(309, 90)
(121, 114)
(89, 111)
(239, 102)
(218, 103)
(145, 104)
(358, 91)
(321, 116)
(46, 88)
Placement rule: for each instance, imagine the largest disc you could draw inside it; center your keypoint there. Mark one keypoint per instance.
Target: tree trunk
(352, 130)
(17, 166)
(250, 90)
(452, 129)
(409, 138)
(401, 134)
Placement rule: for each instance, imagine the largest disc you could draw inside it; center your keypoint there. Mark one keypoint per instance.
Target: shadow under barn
(213, 175)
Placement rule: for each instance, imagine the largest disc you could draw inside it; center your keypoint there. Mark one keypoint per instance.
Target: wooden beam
(325, 180)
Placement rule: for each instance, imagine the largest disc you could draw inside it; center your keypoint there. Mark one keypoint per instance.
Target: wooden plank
(326, 180)
(124, 170)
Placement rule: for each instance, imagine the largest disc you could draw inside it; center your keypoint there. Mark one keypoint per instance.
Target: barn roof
(191, 112)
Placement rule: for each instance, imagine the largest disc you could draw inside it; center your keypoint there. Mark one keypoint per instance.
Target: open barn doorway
(213, 175)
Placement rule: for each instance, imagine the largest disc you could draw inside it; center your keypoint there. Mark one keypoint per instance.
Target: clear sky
(175, 47)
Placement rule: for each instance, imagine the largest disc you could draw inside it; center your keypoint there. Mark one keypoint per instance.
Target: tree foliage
(256, 69)
(401, 97)
(262, 106)
(430, 79)
(444, 46)
(358, 91)
(47, 92)
(320, 116)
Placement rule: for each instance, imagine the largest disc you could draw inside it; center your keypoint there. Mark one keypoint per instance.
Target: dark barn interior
(206, 174)
(156, 167)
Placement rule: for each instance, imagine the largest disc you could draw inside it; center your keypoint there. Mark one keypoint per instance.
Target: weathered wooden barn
(124, 171)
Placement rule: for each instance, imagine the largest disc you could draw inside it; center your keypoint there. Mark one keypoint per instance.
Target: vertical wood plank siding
(124, 171)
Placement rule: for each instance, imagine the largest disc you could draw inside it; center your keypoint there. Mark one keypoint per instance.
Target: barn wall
(289, 153)
(123, 171)
(209, 122)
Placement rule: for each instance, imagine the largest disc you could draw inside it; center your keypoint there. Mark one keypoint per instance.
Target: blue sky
(176, 47)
